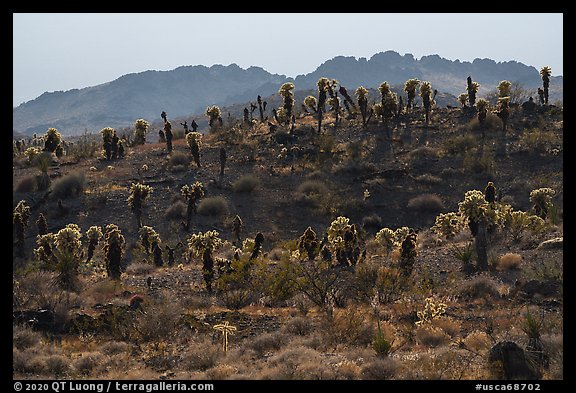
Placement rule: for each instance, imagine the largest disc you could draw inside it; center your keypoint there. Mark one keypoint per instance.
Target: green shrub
(70, 185)
(246, 184)
(213, 206)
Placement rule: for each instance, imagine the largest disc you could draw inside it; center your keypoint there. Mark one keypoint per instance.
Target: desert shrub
(372, 221)
(112, 348)
(70, 185)
(312, 193)
(178, 160)
(201, 356)
(23, 337)
(423, 153)
(379, 369)
(428, 179)
(518, 222)
(27, 362)
(176, 211)
(57, 365)
(479, 164)
(87, 363)
(480, 286)
(431, 336)
(213, 206)
(160, 321)
(540, 142)
(297, 362)
(509, 261)
(491, 124)
(477, 341)
(448, 325)
(447, 225)
(459, 144)
(267, 342)
(26, 184)
(300, 326)
(245, 184)
(139, 269)
(426, 203)
(349, 326)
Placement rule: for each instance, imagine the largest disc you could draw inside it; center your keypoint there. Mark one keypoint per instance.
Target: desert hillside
(372, 249)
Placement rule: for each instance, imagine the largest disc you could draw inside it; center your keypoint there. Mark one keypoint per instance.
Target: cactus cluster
(203, 245)
(504, 88)
(214, 116)
(194, 141)
(311, 103)
(410, 88)
(343, 241)
(308, 243)
(111, 144)
(463, 99)
(20, 217)
(140, 129)
(447, 225)
(192, 194)
(503, 111)
(541, 198)
(472, 89)
(52, 140)
(427, 100)
(138, 194)
(362, 98)
(68, 251)
(387, 107)
(546, 73)
(287, 93)
(114, 251)
(94, 234)
(431, 311)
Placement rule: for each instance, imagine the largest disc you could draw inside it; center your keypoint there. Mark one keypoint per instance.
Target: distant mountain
(188, 90)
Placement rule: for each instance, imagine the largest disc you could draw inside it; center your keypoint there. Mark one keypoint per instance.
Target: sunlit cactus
(410, 88)
(431, 311)
(310, 102)
(482, 106)
(138, 194)
(447, 225)
(192, 194)
(94, 234)
(226, 330)
(140, 129)
(52, 140)
(237, 228)
(260, 109)
(472, 89)
(546, 73)
(322, 90)
(107, 134)
(194, 141)
(287, 92)
(308, 243)
(347, 99)
(334, 101)
(503, 111)
(31, 152)
(504, 88)
(362, 98)
(387, 108)
(148, 236)
(426, 94)
(69, 253)
(114, 251)
(343, 240)
(385, 237)
(45, 251)
(463, 99)
(517, 222)
(203, 245)
(214, 114)
(41, 224)
(541, 199)
(20, 217)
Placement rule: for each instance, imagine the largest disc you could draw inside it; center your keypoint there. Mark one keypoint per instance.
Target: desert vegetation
(367, 243)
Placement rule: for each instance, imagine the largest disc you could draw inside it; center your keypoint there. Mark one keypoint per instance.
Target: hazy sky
(65, 51)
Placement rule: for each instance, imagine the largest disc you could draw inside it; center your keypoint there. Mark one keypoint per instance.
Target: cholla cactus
(426, 94)
(308, 243)
(472, 89)
(362, 98)
(546, 73)
(237, 227)
(322, 84)
(410, 88)
(138, 194)
(94, 234)
(52, 140)
(140, 129)
(148, 236)
(387, 108)
(286, 91)
(408, 253)
(20, 217)
(214, 116)
(474, 205)
(42, 225)
(45, 251)
(463, 99)
(258, 241)
(69, 253)
(542, 200)
(386, 239)
(431, 311)
(226, 330)
(447, 225)
(504, 88)
(482, 106)
(114, 251)
(108, 133)
(517, 222)
(310, 102)
(503, 111)
(193, 194)
(169, 135)
(31, 152)
(194, 141)
(204, 244)
(343, 240)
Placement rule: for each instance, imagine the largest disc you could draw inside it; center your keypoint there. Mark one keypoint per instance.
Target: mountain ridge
(188, 89)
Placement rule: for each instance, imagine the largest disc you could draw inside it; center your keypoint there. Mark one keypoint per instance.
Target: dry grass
(176, 211)
(26, 184)
(70, 185)
(431, 336)
(426, 203)
(246, 184)
(213, 206)
(481, 286)
(509, 261)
